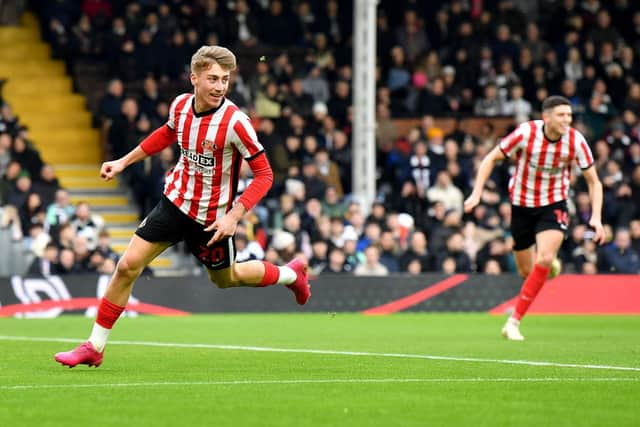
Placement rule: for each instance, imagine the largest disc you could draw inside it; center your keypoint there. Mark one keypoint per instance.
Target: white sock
(515, 322)
(287, 275)
(99, 337)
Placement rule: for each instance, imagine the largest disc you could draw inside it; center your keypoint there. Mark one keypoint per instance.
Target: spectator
(316, 85)
(533, 42)
(328, 171)
(8, 182)
(411, 36)
(213, 19)
(28, 157)
(8, 120)
(388, 249)
(371, 266)
(314, 185)
(123, 133)
(67, 262)
(490, 104)
(269, 102)
(86, 224)
(417, 251)
(45, 265)
(337, 262)
(332, 204)
(82, 254)
(285, 245)
(573, 66)
(517, 106)
(18, 193)
(433, 100)
(46, 185)
(352, 256)
(61, 211)
(247, 250)
(318, 260)
(84, 40)
(496, 251)
(291, 224)
(454, 253)
(297, 99)
(111, 103)
(444, 191)
(150, 97)
(243, 26)
(619, 256)
(173, 67)
(340, 102)
(31, 212)
(104, 246)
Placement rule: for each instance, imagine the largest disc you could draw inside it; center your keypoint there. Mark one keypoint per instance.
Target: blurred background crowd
(435, 59)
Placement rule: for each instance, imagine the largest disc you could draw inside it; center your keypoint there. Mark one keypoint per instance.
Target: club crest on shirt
(209, 145)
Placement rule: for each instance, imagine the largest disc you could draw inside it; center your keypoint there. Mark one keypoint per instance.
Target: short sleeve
(512, 143)
(246, 140)
(584, 157)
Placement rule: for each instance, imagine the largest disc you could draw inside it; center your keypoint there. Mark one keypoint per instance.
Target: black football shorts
(167, 223)
(527, 222)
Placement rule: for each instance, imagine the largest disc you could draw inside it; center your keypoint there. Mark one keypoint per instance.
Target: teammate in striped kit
(544, 152)
(198, 205)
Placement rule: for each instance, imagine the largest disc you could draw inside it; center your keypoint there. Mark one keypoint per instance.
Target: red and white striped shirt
(212, 146)
(543, 167)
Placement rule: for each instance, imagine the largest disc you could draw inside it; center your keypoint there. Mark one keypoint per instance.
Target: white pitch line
(317, 381)
(336, 352)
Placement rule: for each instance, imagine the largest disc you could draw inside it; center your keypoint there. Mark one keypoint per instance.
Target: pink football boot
(84, 354)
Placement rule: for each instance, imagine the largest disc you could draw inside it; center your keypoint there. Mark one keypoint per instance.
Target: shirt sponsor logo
(201, 160)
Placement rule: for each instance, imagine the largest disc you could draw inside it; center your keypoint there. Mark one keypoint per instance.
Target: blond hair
(208, 55)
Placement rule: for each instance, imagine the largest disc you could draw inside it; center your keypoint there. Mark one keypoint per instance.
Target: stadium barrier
(51, 296)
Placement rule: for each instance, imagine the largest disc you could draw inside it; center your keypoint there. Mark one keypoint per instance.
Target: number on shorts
(216, 254)
(213, 255)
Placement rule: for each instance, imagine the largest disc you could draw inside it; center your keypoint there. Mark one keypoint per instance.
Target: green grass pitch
(263, 370)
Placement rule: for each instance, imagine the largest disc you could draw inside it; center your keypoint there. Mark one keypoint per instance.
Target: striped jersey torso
(543, 167)
(203, 183)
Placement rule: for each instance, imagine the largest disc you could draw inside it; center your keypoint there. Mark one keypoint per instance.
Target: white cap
(349, 233)
(320, 107)
(405, 220)
(282, 239)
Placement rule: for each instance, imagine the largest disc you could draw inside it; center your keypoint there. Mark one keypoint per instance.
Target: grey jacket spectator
(620, 257)
(316, 85)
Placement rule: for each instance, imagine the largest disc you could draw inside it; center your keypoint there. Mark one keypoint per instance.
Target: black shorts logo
(143, 223)
(562, 217)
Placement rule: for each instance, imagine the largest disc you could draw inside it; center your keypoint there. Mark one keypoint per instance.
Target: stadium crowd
(62, 237)
(452, 58)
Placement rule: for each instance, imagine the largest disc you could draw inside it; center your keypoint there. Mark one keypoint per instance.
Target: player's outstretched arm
(595, 194)
(110, 169)
(154, 143)
(484, 171)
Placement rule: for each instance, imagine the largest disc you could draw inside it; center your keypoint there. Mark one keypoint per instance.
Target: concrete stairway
(110, 201)
(41, 95)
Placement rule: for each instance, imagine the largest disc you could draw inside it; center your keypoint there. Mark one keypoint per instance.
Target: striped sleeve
(513, 142)
(171, 121)
(584, 157)
(246, 140)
